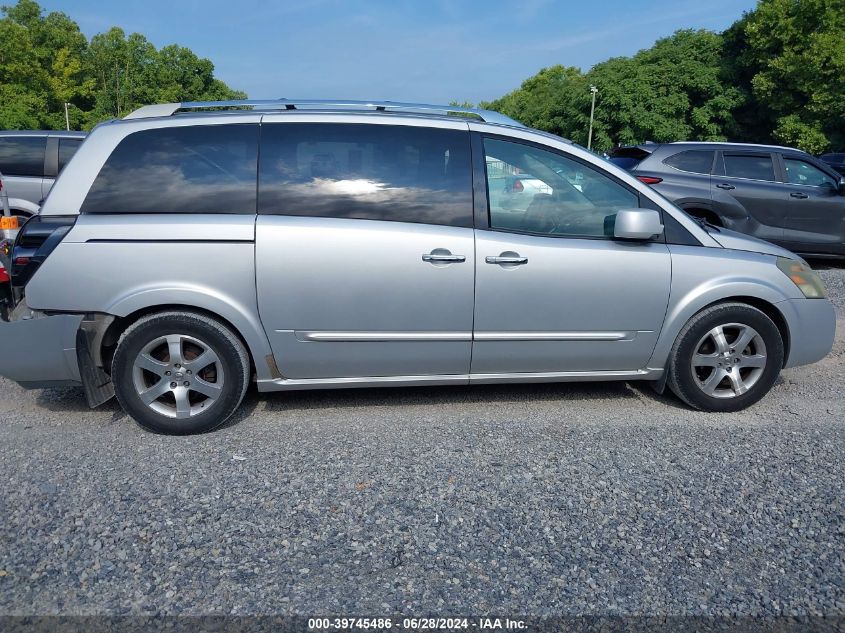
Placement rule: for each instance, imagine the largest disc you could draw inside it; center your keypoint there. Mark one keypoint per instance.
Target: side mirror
(842, 186)
(637, 224)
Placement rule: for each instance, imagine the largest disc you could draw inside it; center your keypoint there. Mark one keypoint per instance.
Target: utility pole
(594, 90)
(67, 118)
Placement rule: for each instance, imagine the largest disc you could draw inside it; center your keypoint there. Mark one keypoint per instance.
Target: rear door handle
(443, 258)
(724, 185)
(796, 194)
(513, 260)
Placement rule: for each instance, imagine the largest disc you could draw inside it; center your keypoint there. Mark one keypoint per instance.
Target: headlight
(804, 277)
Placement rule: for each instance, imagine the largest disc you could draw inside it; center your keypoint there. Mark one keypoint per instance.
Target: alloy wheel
(178, 376)
(729, 360)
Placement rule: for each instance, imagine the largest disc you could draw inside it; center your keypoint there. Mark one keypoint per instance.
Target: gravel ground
(551, 499)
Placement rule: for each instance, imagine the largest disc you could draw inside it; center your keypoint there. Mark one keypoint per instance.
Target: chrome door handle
(506, 260)
(443, 258)
(796, 194)
(725, 185)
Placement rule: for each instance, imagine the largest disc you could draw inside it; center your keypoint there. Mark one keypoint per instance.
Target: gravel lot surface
(551, 499)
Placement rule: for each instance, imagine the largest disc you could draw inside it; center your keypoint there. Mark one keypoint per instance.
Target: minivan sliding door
(364, 249)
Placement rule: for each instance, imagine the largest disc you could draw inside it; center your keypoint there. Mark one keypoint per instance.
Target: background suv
(30, 162)
(775, 193)
(835, 160)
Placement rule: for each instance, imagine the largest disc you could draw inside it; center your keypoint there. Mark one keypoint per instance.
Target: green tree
(552, 100)
(776, 75)
(53, 49)
(130, 72)
(671, 91)
(23, 90)
(789, 55)
(46, 61)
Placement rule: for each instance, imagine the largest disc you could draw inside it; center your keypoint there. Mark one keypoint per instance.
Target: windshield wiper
(704, 224)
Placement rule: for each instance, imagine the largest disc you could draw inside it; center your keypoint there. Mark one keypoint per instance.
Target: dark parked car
(835, 160)
(778, 194)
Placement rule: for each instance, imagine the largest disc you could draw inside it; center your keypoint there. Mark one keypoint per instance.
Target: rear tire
(180, 372)
(726, 358)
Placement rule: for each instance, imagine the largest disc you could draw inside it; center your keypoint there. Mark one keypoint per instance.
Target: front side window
(799, 172)
(22, 155)
(191, 169)
(695, 161)
(751, 166)
(537, 191)
(368, 172)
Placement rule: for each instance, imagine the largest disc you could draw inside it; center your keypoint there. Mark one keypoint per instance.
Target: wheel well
(119, 325)
(706, 214)
(770, 311)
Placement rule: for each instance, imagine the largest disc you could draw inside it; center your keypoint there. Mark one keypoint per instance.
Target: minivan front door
(554, 291)
(573, 305)
(364, 249)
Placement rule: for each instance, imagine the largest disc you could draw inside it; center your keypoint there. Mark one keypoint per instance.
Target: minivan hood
(741, 242)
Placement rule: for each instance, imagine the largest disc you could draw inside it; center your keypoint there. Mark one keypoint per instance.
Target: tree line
(46, 61)
(777, 75)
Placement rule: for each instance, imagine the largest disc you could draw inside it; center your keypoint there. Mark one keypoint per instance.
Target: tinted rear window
(625, 162)
(755, 167)
(372, 172)
(695, 161)
(196, 169)
(628, 157)
(67, 148)
(22, 155)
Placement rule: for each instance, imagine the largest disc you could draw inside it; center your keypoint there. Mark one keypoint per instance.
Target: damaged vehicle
(192, 249)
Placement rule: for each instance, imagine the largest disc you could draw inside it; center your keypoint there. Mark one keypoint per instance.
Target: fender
(150, 272)
(208, 300)
(709, 279)
(734, 215)
(19, 204)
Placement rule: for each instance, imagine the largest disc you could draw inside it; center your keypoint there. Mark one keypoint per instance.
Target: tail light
(649, 180)
(37, 238)
(517, 186)
(5, 265)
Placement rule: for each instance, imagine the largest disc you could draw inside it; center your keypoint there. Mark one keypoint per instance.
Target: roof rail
(168, 109)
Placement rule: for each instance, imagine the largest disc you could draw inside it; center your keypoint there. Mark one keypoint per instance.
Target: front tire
(726, 358)
(180, 372)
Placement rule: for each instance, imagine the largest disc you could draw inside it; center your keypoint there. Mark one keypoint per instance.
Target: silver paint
(637, 224)
(352, 303)
(331, 275)
(590, 286)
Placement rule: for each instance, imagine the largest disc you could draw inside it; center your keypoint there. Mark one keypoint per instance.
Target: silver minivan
(192, 248)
